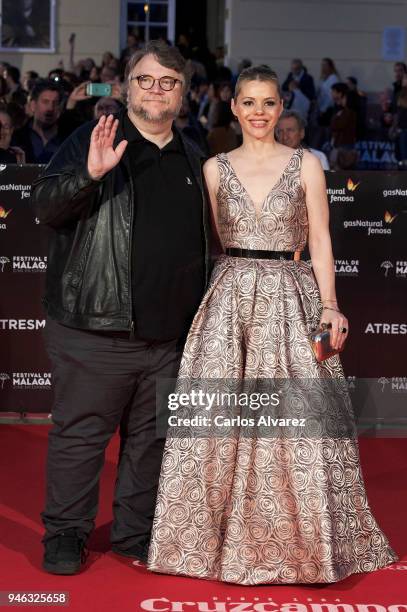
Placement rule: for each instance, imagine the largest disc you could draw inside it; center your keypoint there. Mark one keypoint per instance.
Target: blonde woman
(267, 508)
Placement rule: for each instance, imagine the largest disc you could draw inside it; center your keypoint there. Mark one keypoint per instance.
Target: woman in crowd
(8, 154)
(222, 138)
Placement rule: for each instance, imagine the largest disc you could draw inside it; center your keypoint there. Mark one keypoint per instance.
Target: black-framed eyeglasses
(146, 81)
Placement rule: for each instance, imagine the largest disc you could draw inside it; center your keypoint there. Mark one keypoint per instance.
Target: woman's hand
(19, 153)
(338, 322)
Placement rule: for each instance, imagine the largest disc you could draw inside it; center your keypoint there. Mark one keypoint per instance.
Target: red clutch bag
(321, 344)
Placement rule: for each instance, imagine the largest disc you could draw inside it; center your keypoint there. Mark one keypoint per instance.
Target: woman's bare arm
(211, 174)
(320, 245)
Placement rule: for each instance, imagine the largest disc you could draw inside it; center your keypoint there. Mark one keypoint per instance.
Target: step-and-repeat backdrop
(369, 234)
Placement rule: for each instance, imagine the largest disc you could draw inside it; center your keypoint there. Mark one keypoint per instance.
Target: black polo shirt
(168, 241)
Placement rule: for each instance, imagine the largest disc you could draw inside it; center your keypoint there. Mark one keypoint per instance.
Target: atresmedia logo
(21, 324)
(393, 329)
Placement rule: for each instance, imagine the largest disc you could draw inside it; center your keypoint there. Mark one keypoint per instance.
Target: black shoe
(133, 552)
(64, 553)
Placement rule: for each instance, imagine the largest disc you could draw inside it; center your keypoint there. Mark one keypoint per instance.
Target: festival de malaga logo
(347, 267)
(34, 381)
(398, 268)
(24, 263)
(395, 384)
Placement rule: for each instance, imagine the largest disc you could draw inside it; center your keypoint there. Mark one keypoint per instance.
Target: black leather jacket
(88, 283)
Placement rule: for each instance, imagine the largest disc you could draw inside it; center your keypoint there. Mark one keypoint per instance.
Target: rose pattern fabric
(262, 510)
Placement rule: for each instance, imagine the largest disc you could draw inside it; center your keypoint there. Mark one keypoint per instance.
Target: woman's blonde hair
(257, 73)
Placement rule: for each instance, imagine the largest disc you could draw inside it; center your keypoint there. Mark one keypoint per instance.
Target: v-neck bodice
(280, 224)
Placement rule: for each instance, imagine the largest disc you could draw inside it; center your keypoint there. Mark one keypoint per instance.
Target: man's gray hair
(169, 57)
(286, 114)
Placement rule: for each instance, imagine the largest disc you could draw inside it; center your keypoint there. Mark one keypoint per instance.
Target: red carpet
(111, 583)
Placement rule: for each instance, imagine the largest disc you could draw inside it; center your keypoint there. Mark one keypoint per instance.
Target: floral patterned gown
(258, 510)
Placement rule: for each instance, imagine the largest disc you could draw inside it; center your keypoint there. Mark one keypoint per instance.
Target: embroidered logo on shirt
(189, 182)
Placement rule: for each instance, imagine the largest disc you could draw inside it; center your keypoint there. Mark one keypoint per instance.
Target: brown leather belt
(256, 254)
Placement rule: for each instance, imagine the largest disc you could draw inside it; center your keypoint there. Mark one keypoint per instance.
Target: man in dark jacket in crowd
(304, 80)
(400, 71)
(40, 138)
(127, 267)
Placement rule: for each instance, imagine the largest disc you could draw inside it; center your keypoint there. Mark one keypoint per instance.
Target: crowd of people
(328, 116)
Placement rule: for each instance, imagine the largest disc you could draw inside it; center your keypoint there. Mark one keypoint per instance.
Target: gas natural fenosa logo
(372, 227)
(3, 216)
(394, 193)
(343, 194)
(388, 217)
(351, 186)
(4, 213)
(23, 189)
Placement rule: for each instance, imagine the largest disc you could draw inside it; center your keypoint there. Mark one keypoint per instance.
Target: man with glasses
(127, 267)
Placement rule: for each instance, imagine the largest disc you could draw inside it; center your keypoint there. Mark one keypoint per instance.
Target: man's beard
(47, 123)
(164, 116)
